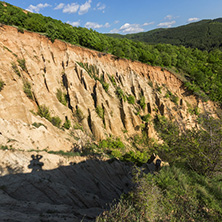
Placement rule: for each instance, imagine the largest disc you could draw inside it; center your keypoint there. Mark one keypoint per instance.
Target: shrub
(20, 29)
(2, 83)
(15, 68)
(79, 114)
(67, 124)
(131, 99)
(146, 118)
(61, 97)
(100, 112)
(28, 90)
(105, 85)
(56, 121)
(37, 125)
(142, 102)
(120, 94)
(111, 143)
(22, 64)
(43, 111)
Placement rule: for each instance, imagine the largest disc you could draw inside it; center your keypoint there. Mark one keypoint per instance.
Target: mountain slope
(97, 87)
(204, 35)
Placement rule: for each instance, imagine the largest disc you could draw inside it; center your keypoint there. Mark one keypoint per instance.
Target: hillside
(204, 35)
(60, 99)
(80, 129)
(201, 69)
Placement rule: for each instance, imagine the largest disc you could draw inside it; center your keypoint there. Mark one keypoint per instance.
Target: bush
(142, 102)
(146, 118)
(43, 111)
(61, 97)
(131, 99)
(15, 68)
(22, 64)
(67, 124)
(120, 94)
(28, 90)
(100, 112)
(79, 114)
(56, 121)
(37, 125)
(199, 149)
(111, 143)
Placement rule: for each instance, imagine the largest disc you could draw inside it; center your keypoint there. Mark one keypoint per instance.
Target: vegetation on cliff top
(203, 69)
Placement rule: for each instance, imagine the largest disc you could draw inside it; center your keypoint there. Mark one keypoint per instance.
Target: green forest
(204, 35)
(202, 69)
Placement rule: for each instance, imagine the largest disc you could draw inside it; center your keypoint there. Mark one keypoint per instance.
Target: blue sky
(125, 16)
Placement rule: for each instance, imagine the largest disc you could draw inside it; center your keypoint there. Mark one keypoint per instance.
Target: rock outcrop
(88, 80)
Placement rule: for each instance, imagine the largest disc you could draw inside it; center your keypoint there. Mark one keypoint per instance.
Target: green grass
(173, 194)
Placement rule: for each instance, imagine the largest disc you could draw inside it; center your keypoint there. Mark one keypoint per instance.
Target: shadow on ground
(68, 193)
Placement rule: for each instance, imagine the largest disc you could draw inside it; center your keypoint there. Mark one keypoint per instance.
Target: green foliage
(174, 194)
(100, 112)
(37, 125)
(27, 88)
(142, 102)
(131, 99)
(93, 72)
(199, 149)
(62, 97)
(63, 153)
(79, 114)
(22, 64)
(2, 83)
(137, 157)
(77, 126)
(43, 111)
(20, 29)
(15, 68)
(174, 99)
(56, 121)
(120, 94)
(203, 35)
(112, 146)
(67, 124)
(146, 118)
(4, 147)
(194, 111)
(113, 81)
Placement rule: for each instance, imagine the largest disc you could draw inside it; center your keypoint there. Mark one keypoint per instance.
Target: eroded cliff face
(50, 67)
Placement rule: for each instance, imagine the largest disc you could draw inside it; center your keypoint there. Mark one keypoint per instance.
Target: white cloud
(59, 6)
(100, 6)
(114, 31)
(131, 28)
(148, 23)
(117, 21)
(84, 8)
(193, 19)
(168, 17)
(77, 23)
(37, 8)
(71, 8)
(166, 24)
(94, 25)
